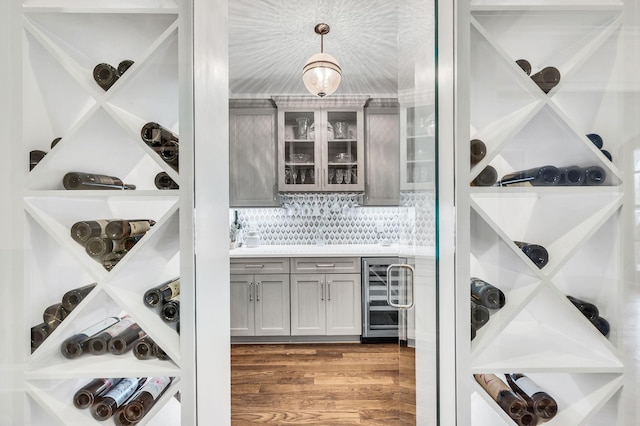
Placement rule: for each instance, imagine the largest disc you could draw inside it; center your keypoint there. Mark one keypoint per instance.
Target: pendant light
(321, 74)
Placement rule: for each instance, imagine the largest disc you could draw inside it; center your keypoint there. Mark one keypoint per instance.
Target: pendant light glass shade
(321, 74)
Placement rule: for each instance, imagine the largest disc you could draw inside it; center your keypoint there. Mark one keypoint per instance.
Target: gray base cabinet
(260, 302)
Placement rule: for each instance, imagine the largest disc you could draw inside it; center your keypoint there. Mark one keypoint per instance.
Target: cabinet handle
(328, 290)
(254, 266)
(325, 265)
(250, 292)
(258, 291)
(321, 290)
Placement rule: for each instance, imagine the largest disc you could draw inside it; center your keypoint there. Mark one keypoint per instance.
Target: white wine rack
(61, 42)
(539, 332)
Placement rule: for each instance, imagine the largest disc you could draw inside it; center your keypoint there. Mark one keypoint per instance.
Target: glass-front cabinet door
(299, 151)
(320, 145)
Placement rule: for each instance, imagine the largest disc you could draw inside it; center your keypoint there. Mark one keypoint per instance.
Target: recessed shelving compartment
(548, 334)
(55, 401)
(579, 396)
(99, 146)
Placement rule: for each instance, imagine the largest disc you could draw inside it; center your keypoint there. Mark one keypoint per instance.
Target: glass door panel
(301, 162)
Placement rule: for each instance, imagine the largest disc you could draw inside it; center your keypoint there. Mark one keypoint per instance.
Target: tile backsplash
(310, 218)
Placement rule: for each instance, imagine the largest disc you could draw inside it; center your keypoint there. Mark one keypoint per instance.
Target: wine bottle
(607, 154)
(38, 335)
(142, 401)
(82, 231)
(594, 175)
(487, 177)
(544, 406)
(596, 139)
(124, 341)
(35, 157)
(110, 260)
(159, 352)
(129, 242)
(105, 75)
(486, 294)
(54, 315)
(535, 252)
(538, 176)
(72, 298)
(525, 65)
(473, 331)
(80, 180)
(118, 229)
(107, 404)
(602, 325)
(162, 293)
(572, 175)
(164, 181)
(76, 345)
(547, 78)
(124, 65)
(143, 348)
(511, 403)
(527, 419)
(479, 315)
(55, 142)
(84, 397)
(171, 310)
(119, 419)
(478, 150)
(589, 310)
(99, 246)
(154, 134)
(99, 344)
(169, 152)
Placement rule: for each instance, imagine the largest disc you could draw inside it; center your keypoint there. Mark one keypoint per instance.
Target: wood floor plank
(320, 384)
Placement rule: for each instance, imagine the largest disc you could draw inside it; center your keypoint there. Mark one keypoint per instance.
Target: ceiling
(270, 41)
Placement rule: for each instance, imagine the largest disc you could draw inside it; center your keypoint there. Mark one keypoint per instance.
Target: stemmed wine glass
(339, 175)
(331, 173)
(303, 176)
(294, 174)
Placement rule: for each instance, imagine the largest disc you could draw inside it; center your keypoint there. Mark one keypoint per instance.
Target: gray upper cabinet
(382, 140)
(252, 153)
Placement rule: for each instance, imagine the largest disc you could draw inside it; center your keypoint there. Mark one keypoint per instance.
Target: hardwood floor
(321, 384)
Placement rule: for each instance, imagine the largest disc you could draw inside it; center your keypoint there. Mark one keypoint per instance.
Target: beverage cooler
(379, 318)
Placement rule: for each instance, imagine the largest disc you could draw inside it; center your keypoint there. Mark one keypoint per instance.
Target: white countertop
(330, 250)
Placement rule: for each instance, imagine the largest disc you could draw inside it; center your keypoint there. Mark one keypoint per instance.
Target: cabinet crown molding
(315, 102)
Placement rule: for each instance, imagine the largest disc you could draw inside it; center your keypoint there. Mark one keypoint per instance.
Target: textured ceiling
(270, 40)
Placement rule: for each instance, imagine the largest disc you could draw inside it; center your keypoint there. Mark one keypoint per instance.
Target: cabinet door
(308, 312)
(382, 187)
(252, 157)
(417, 160)
(299, 150)
(344, 306)
(242, 311)
(343, 150)
(272, 313)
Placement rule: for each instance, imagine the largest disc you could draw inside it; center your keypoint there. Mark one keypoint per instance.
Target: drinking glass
(339, 176)
(331, 173)
(347, 177)
(303, 176)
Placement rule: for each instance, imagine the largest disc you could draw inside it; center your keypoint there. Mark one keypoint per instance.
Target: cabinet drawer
(327, 265)
(261, 265)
